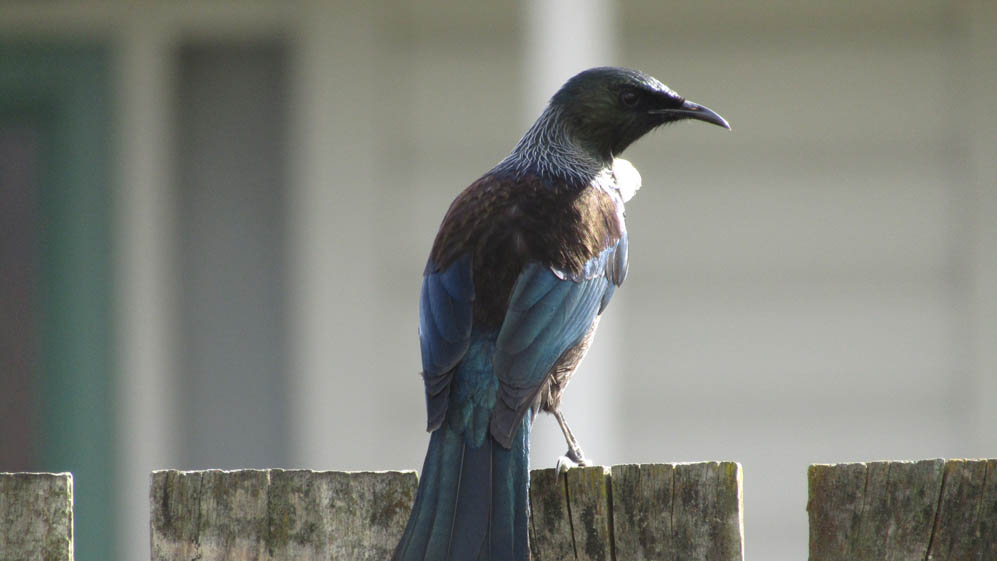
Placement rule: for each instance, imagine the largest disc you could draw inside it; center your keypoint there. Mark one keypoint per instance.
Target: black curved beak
(696, 111)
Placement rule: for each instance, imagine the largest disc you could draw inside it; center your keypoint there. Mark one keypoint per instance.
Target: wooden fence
(632, 512)
(928, 510)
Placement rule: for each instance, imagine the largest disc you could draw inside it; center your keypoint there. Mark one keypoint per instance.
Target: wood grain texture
(339, 515)
(966, 525)
(36, 516)
(642, 511)
(707, 513)
(550, 523)
(924, 510)
(660, 512)
(278, 515)
(589, 506)
(687, 512)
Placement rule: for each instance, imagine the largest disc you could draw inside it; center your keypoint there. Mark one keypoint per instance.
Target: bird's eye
(629, 98)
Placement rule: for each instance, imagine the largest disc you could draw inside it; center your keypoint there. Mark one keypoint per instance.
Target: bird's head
(606, 109)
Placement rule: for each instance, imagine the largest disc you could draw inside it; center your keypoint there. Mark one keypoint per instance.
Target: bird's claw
(563, 464)
(572, 458)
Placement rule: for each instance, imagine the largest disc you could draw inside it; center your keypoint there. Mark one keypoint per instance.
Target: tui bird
(524, 263)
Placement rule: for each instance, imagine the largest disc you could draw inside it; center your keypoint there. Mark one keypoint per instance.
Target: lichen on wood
(550, 525)
(586, 514)
(36, 516)
(926, 510)
(632, 512)
(278, 514)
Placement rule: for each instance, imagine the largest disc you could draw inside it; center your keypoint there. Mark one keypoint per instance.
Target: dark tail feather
(472, 501)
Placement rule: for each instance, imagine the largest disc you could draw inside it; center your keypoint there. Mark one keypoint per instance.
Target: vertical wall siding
(231, 110)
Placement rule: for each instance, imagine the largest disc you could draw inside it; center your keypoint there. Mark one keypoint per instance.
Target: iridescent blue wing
(549, 313)
(445, 315)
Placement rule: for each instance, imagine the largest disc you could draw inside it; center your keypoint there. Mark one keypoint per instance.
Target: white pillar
(981, 118)
(564, 37)
(144, 270)
(331, 288)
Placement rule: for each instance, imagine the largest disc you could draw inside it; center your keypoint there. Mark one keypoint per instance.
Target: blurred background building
(214, 218)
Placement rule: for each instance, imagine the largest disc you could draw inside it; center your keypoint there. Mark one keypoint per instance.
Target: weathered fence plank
(707, 521)
(176, 514)
(550, 522)
(303, 515)
(277, 514)
(589, 505)
(678, 511)
(339, 515)
(966, 526)
(642, 508)
(36, 516)
(930, 509)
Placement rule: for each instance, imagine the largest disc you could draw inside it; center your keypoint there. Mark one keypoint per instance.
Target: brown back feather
(507, 223)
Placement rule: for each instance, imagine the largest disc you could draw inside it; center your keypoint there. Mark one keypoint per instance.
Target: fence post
(36, 516)
(930, 510)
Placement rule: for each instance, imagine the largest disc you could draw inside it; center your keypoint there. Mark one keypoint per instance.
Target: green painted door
(57, 97)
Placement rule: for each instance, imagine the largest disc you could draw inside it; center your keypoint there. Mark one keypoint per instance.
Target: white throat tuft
(626, 177)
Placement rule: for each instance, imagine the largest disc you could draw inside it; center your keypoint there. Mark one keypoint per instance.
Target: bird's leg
(574, 456)
(574, 450)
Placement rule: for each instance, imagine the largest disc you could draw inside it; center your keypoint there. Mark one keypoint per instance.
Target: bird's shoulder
(559, 224)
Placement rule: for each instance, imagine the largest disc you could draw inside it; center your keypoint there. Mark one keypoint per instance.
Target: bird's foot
(563, 464)
(571, 458)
